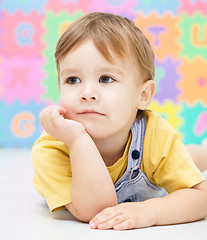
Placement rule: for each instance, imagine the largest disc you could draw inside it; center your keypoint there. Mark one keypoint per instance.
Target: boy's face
(102, 96)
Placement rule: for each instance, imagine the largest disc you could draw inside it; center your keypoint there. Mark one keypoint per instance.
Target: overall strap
(135, 151)
(136, 147)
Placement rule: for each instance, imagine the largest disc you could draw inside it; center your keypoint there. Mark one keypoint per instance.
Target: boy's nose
(88, 94)
(85, 98)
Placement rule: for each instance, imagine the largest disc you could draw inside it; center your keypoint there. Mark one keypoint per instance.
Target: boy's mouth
(90, 112)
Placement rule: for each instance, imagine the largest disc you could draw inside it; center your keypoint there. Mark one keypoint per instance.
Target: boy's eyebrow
(68, 70)
(111, 70)
(101, 69)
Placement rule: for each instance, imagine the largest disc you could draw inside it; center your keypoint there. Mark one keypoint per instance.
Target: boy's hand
(124, 216)
(65, 130)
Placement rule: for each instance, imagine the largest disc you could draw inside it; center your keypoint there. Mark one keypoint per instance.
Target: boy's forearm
(185, 205)
(92, 189)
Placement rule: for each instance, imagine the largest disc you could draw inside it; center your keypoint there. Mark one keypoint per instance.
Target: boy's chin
(94, 133)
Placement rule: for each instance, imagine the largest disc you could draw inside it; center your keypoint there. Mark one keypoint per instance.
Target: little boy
(103, 156)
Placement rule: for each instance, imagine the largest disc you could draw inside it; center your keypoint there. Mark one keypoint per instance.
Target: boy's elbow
(87, 213)
(202, 188)
(72, 209)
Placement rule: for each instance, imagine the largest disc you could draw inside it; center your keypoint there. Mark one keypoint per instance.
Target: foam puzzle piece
(1, 121)
(159, 6)
(69, 6)
(194, 128)
(22, 34)
(20, 125)
(192, 6)
(120, 7)
(169, 111)
(194, 81)
(55, 25)
(159, 31)
(167, 78)
(26, 6)
(194, 36)
(22, 79)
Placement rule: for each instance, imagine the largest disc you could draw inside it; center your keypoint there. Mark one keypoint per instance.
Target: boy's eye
(73, 80)
(106, 79)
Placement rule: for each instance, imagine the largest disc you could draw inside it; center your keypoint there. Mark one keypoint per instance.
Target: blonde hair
(109, 32)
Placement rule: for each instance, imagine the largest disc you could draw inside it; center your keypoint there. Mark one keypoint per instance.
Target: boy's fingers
(127, 224)
(104, 216)
(61, 110)
(111, 223)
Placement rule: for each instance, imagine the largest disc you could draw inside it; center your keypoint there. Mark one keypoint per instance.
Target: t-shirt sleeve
(166, 160)
(52, 171)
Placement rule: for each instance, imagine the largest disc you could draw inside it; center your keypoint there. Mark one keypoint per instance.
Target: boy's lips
(90, 112)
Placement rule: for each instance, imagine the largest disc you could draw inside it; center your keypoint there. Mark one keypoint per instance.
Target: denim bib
(134, 186)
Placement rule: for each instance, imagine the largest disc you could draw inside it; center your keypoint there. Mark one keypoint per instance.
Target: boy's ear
(146, 95)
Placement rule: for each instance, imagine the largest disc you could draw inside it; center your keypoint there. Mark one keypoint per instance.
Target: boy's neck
(112, 150)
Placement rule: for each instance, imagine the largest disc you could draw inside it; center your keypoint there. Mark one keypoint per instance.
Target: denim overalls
(134, 186)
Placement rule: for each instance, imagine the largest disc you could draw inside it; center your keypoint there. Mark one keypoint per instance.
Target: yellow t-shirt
(165, 162)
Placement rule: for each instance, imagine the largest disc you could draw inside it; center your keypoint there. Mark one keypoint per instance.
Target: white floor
(24, 214)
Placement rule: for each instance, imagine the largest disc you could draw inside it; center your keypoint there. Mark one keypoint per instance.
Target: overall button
(135, 173)
(135, 154)
(128, 200)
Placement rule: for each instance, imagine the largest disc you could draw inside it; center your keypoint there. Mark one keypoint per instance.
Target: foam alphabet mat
(29, 30)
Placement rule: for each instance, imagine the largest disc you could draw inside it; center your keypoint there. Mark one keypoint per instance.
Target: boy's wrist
(153, 209)
(78, 141)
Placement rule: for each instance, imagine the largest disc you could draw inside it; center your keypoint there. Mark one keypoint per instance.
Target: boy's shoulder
(156, 123)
